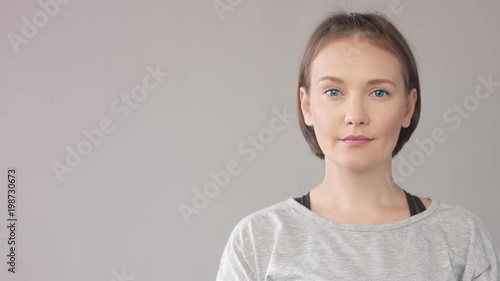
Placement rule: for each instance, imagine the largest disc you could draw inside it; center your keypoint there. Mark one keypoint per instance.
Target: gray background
(119, 208)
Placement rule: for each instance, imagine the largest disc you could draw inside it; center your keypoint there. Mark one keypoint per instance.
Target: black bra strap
(304, 200)
(415, 204)
(420, 205)
(411, 203)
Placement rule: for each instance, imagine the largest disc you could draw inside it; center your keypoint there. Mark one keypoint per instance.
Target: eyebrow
(370, 82)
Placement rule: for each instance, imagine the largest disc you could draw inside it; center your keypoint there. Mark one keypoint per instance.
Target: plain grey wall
(70, 66)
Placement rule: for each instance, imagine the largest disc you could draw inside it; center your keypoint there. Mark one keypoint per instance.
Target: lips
(357, 138)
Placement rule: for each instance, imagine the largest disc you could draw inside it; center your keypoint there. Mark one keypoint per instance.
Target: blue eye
(334, 91)
(380, 91)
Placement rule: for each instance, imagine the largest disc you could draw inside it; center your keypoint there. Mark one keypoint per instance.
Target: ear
(411, 100)
(305, 106)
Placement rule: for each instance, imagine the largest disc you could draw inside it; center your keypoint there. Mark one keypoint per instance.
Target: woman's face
(349, 104)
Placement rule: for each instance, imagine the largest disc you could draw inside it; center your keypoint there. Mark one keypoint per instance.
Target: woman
(358, 100)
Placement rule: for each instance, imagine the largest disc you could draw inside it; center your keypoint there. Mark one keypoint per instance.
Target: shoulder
(249, 241)
(270, 214)
(262, 221)
(458, 218)
(458, 214)
(461, 224)
(481, 253)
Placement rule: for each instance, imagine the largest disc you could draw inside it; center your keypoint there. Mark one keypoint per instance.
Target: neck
(349, 189)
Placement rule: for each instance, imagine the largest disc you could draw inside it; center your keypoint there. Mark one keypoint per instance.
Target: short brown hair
(377, 30)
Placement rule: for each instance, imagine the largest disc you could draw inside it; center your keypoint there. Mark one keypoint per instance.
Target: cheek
(324, 121)
(389, 123)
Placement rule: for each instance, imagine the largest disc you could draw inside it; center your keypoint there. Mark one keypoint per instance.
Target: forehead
(357, 60)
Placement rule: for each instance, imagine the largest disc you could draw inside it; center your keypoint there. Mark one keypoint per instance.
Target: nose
(355, 113)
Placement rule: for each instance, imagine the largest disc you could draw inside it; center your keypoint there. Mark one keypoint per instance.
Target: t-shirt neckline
(364, 227)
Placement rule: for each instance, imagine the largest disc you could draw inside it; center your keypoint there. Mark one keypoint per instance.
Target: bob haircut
(368, 28)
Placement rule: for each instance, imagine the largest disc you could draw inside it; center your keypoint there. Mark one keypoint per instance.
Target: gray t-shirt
(287, 241)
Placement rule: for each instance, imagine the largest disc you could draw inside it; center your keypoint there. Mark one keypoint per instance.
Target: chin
(353, 162)
(357, 167)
